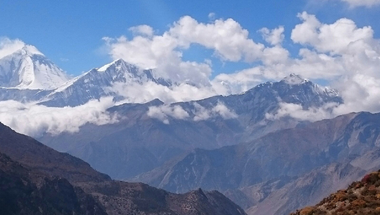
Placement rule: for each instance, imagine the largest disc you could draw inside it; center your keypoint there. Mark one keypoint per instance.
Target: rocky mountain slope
(361, 197)
(283, 196)
(279, 164)
(40, 180)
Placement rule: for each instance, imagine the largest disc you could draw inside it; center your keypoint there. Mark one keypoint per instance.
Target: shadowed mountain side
(30, 152)
(27, 191)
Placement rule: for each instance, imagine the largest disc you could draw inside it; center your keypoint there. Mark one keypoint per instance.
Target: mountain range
(247, 146)
(147, 136)
(28, 76)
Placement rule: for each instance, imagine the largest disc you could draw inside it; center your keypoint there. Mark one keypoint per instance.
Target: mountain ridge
(62, 184)
(99, 82)
(350, 141)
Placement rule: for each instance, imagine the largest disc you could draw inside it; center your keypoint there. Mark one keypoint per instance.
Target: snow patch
(105, 67)
(31, 50)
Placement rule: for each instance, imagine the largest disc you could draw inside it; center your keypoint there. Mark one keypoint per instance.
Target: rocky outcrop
(361, 197)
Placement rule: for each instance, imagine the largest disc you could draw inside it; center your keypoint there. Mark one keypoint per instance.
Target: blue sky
(70, 32)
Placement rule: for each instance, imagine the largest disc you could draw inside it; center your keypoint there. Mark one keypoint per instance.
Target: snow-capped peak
(294, 79)
(105, 67)
(30, 50)
(28, 68)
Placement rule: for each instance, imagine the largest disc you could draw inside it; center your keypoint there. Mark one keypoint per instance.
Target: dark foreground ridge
(35, 179)
(26, 191)
(361, 197)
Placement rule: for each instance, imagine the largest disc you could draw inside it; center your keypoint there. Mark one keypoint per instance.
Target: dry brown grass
(362, 197)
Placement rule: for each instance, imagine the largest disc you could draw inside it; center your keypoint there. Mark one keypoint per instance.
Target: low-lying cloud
(148, 91)
(36, 120)
(196, 113)
(164, 112)
(297, 112)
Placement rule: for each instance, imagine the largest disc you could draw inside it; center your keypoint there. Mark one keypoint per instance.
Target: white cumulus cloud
(337, 38)
(229, 41)
(145, 30)
(273, 37)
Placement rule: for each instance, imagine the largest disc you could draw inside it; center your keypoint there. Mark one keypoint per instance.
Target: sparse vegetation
(361, 197)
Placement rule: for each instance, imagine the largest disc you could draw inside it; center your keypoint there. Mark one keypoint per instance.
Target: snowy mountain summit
(294, 79)
(28, 68)
(108, 80)
(297, 80)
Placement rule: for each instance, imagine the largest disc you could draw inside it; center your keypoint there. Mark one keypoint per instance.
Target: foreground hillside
(35, 179)
(361, 197)
(27, 191)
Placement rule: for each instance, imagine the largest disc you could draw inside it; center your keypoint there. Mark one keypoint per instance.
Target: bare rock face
(35, 179)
